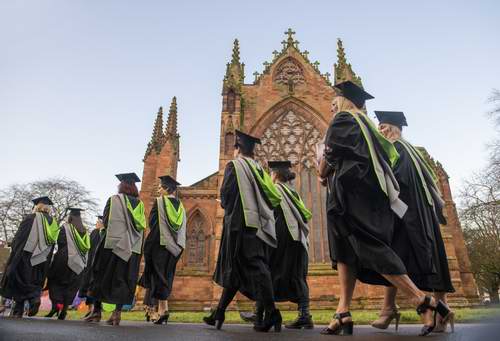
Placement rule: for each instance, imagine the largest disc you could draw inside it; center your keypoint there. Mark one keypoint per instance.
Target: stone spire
(171, 128)
(157, 137)
(235, 70)
(343, 70)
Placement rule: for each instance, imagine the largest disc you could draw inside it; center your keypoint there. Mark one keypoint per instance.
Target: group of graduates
(103, 266)
(384, 212)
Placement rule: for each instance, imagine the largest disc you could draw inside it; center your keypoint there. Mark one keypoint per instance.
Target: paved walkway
(38, 329)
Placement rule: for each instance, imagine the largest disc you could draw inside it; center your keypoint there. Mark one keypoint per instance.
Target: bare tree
(481, 220)
(480, 215)
(15, 202)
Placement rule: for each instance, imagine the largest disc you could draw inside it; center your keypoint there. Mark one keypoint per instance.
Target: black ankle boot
(34, 306)
(62, 315)
(272, 319)
(302, 321)
(259, 315)
(52, 312)
(216, 318)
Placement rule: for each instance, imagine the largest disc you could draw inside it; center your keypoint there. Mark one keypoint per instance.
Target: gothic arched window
(292, 137)
(196, 241)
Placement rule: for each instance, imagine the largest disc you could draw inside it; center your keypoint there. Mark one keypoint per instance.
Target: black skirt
(289, 265)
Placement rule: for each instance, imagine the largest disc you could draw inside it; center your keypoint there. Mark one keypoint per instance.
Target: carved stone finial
(235, 70)
(236, 52)
(157, 138)
(275, 54)
(316, 65)
(290, 34)
(306, 54)
(256, 75)
(343, 70)
(171, 128)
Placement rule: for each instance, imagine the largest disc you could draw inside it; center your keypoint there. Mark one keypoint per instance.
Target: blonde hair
(390, 132)
(42, 208)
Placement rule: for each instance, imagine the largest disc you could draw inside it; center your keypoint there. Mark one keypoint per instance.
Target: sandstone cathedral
(288, 106)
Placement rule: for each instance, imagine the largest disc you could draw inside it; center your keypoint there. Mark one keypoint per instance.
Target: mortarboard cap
(44, 200)
(75, 211)
(354, 93)
(279, 164)
(246, 141)
(396, 118)
(168, 182)
(130, 178)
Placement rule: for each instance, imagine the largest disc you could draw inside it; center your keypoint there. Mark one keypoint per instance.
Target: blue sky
(81, 81)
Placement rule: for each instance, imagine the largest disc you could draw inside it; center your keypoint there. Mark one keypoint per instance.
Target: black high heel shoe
(447, 316)
(62, 315)
(216, 318)
(342, 328)
(52, 312)
(163, 319)
(422, 309)
(271, 319)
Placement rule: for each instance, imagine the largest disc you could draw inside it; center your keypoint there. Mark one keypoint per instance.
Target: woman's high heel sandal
(216, 318)
(163, 319)
(341, 328)
(271, 319)
(385, 319)
(422, 309)
(447, 316)
(94, 317)
(115, 318)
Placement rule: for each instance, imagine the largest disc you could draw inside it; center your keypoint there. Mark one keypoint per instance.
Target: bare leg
(390, 298)
(347, 285)
(406, 285)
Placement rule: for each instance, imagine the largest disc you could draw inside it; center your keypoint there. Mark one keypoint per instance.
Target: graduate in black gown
(362, 204)
(95, 237)
(115, 269)
(30, 257)
(417, 238)
(67, 268)
(243, 261)
(290, 260)
(164, 246)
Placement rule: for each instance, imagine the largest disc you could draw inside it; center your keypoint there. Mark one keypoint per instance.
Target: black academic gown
(62, 282)
(289, 264)
(243, 261)
(21, 281)
(113, 280)
(160, 264)
(87, 273)
(359, 218)
(417, 238)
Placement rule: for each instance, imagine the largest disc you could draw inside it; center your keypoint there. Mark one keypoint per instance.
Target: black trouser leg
(303, 307)
(226, 298)
(97, 306)
(119, 307)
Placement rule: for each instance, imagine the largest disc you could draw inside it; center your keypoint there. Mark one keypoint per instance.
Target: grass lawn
(465, 315)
